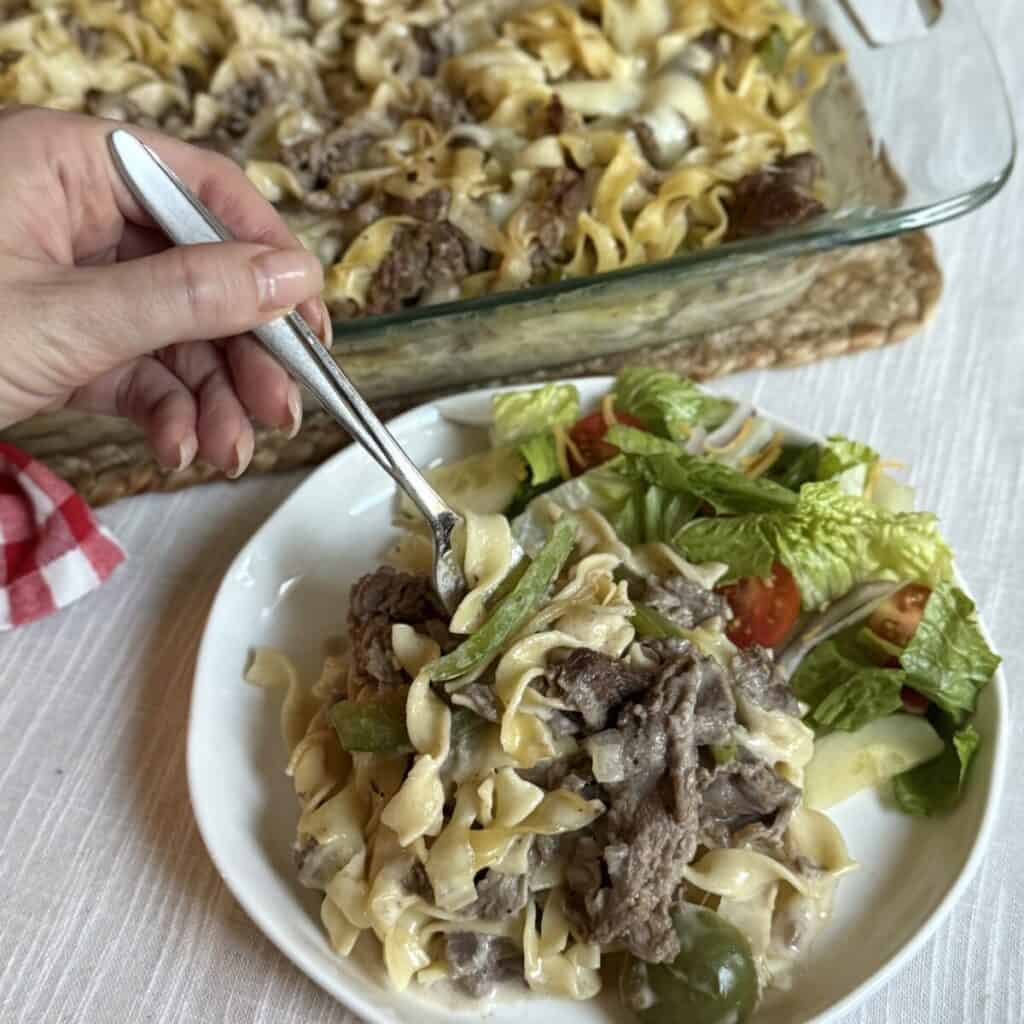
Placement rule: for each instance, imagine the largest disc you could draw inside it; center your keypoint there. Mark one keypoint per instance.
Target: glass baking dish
(914, 130)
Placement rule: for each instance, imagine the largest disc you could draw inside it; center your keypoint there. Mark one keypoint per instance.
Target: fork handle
(290, 340)
(186, 221)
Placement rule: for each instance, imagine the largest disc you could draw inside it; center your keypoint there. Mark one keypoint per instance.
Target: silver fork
(186, 221)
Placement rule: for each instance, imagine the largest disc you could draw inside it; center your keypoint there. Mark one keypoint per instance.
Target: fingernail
(284, 277)
(328, 331)
(243, 454)
(187, 449)
(294, 411)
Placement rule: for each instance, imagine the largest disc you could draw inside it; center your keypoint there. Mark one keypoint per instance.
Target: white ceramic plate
(288, 587)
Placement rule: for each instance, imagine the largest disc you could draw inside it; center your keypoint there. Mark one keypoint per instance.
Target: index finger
(221, 185)
(77, 146)
(217, 181)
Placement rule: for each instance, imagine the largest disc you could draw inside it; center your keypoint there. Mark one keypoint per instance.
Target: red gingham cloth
(52, 550)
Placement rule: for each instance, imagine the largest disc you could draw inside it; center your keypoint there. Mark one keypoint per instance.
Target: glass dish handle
(883, 23)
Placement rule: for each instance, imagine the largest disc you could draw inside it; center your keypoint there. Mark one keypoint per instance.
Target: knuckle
(129, 400)
(204, 290)
(211, 382)
(194, 287)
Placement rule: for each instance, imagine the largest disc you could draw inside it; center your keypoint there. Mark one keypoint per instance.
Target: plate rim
(335, 985)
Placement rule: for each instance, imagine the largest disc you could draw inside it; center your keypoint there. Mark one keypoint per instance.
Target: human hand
(100, 313)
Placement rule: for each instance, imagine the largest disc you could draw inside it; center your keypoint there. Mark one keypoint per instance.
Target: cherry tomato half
(764, 611)
(913, 702)
(588, 436)
(897, 617)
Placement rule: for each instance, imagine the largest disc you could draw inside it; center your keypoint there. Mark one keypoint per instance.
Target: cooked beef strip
(498, 896)
(555, 213)
(241, 102)
(775, 196)
(317, 159)
(377, 602)
(595, 684)
(477, 962)
(651, 828)
(624, 878)
(801, 170)
(682, 601)
(565, 723)
(714, 714)
(545, 849)
(432, 205)
(756, 678)
(422, 257)
(745, 792)
(666, 649)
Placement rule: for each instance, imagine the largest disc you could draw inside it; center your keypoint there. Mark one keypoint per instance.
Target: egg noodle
(550, 139)
(451, 813)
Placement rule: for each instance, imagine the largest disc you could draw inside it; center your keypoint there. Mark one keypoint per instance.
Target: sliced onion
(854, 607)
(606, 751)
(731, 427)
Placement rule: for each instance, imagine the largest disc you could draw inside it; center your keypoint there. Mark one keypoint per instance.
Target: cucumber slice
(846, 762)
(484, 483)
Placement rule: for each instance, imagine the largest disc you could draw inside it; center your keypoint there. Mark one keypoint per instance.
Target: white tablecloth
(110, 910)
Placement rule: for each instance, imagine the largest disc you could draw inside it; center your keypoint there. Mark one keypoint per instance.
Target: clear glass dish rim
(854, 226)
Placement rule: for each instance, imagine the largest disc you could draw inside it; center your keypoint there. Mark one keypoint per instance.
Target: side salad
(822, 558)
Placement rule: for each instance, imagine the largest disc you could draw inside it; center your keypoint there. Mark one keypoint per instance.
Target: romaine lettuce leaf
(847, 463)
(868, 694)
(830, 542)
(726, 490)
(519, 415)
(668, 404)
(841, 454)
(651, 513)
(669, 467)
(947, 658)
(845, 694)
(744, 543)
(833, 541)
(935, 786)
(639, 512)
(856, 468)
(796, 466)
(632, 441)
(540, 454)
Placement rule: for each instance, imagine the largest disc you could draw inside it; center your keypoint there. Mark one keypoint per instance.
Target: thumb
(190, 293)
